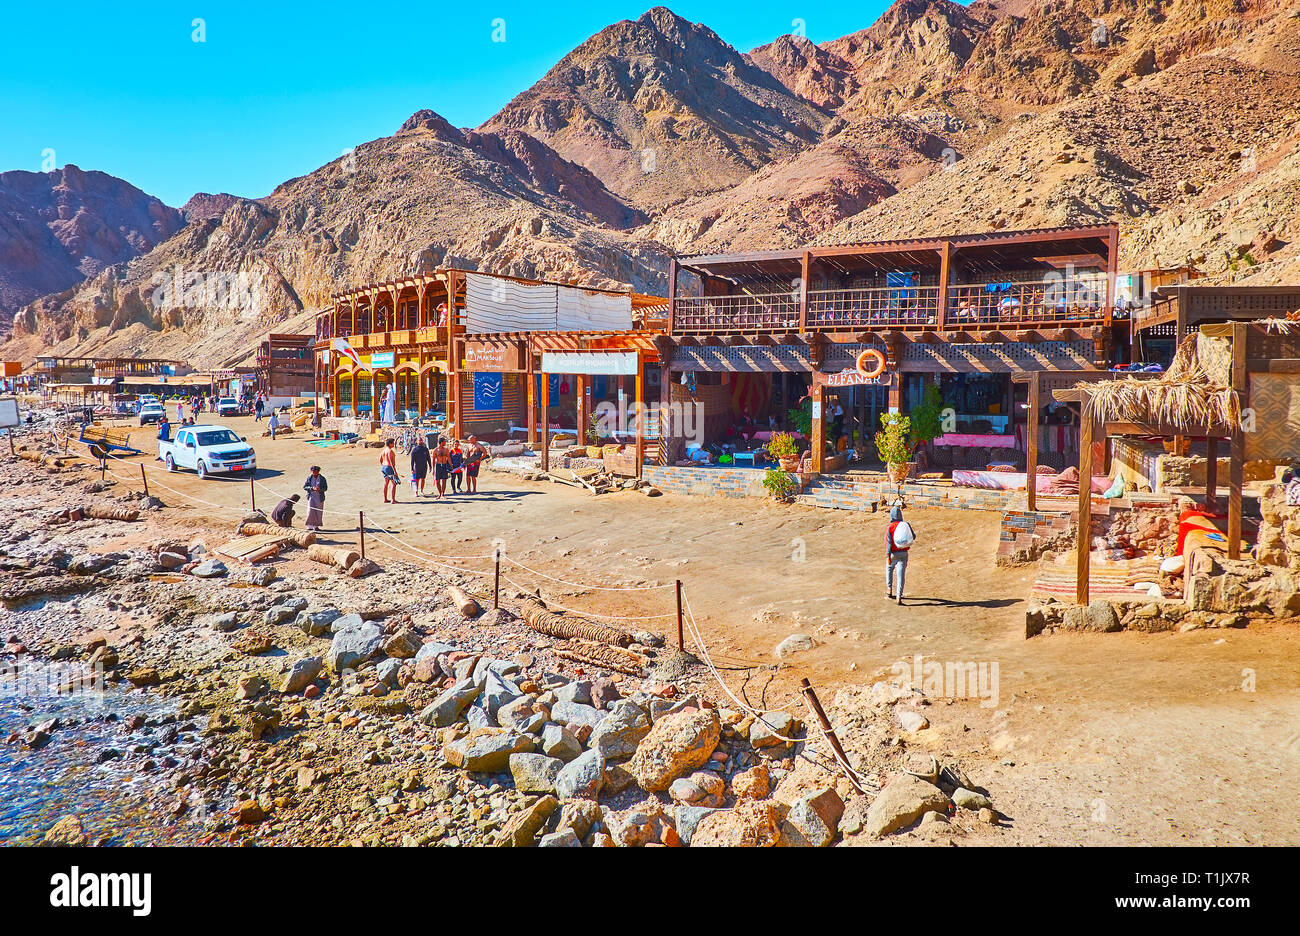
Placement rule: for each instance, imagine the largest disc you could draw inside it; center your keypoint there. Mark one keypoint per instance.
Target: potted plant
(781, 485)
(782, 448)
(894, 445)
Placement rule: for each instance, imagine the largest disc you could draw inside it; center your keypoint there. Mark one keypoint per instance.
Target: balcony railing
(970, 305)
(1023, 305)
(893, 307)
(753, 312)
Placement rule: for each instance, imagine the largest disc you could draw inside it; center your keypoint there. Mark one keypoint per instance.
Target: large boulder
(487, 750)
(619, 732)
(903, 800)
(354, 645)
(677, 744)
(302, 674)
(448, 706)
(752, 824)
(582, 777)
(535, 773)
(813, 821)
(522, 828)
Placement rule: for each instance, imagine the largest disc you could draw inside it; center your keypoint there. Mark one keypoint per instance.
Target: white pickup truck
(208, 450)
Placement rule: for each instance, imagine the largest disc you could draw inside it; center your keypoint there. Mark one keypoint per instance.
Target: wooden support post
(805, 270)
(144, 479)
(530, 374)
(1237, 456)
(1031, 443)
(546, 422)
(1211, 473)
(681, 639)
(818, 440)
(945, 266)
(580, 392)
(103, 467)
(361, 528)
(1236, 466)
(11, 446)
(1083, 540)
(640, 415)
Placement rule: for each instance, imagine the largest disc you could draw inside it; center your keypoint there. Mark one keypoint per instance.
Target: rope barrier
(561, 581)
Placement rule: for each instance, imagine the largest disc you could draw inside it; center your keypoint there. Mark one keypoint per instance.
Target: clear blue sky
(274, 93)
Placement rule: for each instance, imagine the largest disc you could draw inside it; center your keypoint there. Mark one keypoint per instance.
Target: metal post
(681, 641)
(252, 492)
(496, 579)
(103, 468)
(361, 525)
(144, 479)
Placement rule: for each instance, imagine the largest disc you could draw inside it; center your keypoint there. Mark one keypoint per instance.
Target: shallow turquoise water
(119, 801)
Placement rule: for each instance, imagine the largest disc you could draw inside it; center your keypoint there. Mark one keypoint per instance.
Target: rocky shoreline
(317, 709)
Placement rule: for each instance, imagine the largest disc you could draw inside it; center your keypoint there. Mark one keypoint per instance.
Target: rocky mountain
(1177, 119)
(59, 227)
(661, 109)
(427, 196)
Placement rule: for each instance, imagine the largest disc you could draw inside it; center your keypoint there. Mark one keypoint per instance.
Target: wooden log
(98, 512)
(553, 625)
(329, 555)
(609, 657)
(302, 538)
(463, 602)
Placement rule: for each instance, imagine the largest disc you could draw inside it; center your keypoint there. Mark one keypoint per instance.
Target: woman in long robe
(315, 486)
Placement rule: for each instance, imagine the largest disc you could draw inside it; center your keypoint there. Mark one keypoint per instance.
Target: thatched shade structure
(1184, 401)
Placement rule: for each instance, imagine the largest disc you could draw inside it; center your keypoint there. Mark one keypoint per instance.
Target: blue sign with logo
(487, 391)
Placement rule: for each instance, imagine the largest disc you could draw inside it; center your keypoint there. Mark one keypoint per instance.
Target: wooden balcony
(971, 306)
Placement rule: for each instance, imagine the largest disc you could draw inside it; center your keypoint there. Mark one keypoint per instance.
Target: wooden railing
(752, 312)
(975, 305)
(886, 306)
(970, 305)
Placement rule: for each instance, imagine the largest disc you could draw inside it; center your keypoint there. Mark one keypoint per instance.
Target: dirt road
(1119, 738)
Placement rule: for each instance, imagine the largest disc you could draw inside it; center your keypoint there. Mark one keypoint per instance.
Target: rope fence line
(816, 720)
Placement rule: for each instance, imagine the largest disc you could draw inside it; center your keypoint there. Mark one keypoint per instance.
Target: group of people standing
(455, 462)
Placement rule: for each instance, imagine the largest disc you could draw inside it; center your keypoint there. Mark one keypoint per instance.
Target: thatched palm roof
(1182, 398)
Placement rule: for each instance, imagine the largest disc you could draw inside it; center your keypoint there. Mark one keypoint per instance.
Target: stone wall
(1279, 530)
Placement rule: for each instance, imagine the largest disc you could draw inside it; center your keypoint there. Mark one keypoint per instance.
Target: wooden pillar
(546, 422)
(1112, 262)
(1237, 456)
(672, 294)
(665, 421)
(945, 262)
(580, 391)
(804, 272)
(640, 414)
(818, 440)
(1031, 442)
(1211, 473)
(1083, 539)
(530, 374)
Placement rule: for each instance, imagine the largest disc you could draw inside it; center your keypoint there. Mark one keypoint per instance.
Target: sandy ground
(1092, 739)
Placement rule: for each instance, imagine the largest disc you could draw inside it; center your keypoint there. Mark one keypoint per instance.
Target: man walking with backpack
(898, 539)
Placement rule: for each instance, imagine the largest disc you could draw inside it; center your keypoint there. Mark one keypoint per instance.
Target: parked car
(151, 413)
(208, 450)
(228, 406)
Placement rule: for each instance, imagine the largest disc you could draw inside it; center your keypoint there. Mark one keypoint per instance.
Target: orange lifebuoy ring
(878, 356)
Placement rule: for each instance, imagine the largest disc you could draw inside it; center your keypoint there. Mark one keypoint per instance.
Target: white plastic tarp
(494, 305)
(501, 305)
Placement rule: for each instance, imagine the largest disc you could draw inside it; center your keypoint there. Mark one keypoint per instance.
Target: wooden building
(469, 346)
(964, 313)
(285, 367)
